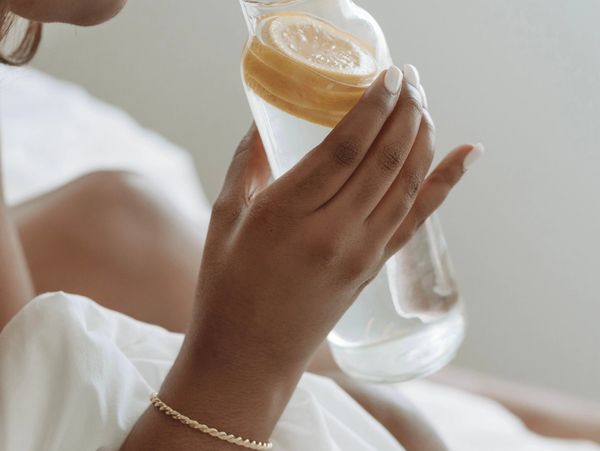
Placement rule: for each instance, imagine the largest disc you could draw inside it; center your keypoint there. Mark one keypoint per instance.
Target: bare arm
(543, 411)
(15, 283)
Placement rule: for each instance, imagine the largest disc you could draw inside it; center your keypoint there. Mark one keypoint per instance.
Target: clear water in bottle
(305, 65)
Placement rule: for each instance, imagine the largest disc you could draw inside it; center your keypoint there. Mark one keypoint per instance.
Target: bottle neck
(252, 9)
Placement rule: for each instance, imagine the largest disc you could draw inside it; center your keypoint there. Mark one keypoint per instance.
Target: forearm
(544, 412)
(16, 287)
(238, 395)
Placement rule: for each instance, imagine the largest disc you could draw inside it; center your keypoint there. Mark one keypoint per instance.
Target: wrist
(227, 392)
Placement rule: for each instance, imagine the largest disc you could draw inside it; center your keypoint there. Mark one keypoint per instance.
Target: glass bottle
(306, 63)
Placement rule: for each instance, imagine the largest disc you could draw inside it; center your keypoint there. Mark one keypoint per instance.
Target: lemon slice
(307, 67)
(321, 46)
(306, 89)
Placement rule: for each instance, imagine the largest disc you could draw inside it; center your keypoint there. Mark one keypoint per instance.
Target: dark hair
(29, 42)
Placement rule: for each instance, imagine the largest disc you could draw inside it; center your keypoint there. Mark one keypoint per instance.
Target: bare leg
(113, 238)
(543, 411)
(386, 403)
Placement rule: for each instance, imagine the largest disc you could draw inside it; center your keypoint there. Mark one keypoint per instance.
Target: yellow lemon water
(307, 67)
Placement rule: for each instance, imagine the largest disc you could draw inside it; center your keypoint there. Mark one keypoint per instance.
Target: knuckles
(264, 211)
(345, 259)
(326, 251)
(390, 158)
(337, 253)
(359, 267)
(413, 184)
(346, 152)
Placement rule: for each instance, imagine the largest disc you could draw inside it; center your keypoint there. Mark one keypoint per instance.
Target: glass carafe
(306, 63)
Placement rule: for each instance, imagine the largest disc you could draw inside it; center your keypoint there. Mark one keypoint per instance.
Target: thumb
(249, 170)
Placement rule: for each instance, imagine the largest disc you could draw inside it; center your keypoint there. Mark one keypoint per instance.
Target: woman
(281, 264)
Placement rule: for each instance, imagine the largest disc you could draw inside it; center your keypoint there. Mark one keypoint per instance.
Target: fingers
(321, 174)
(434, 191)
(399, 199)
(249, 170)
(402, 136)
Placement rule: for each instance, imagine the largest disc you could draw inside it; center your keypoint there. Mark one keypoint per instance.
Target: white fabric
(53, 132)
(75, 376)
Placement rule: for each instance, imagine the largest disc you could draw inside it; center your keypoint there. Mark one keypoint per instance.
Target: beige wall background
(520, 75)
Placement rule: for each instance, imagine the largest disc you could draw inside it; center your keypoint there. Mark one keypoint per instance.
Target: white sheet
(54, 131)
(75, 377)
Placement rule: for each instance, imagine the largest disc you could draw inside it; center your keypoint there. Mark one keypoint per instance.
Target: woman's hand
(283, 262)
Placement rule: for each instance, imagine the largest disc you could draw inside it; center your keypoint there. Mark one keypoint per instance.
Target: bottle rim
(270, 2)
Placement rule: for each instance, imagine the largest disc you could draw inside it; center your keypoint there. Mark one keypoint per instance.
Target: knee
(114, 202)
(112, 189)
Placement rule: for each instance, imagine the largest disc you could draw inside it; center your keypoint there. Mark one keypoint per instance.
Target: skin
(74, 12)
(112, 237)
(16, 287)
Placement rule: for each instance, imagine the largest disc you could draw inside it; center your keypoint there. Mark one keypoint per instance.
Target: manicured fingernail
(475, 154)
(424, 96)
(412, 75)
(393, 80)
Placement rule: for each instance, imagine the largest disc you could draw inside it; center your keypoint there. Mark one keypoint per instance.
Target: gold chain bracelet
(239, 441)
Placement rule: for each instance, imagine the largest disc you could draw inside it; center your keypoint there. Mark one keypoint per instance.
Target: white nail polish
(412, 75)
(393, 80)
(424, 96)
(475, 154)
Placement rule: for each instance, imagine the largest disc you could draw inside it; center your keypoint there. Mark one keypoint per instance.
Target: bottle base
(403, 358)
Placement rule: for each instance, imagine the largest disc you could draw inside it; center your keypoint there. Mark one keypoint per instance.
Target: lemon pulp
(307, 67)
